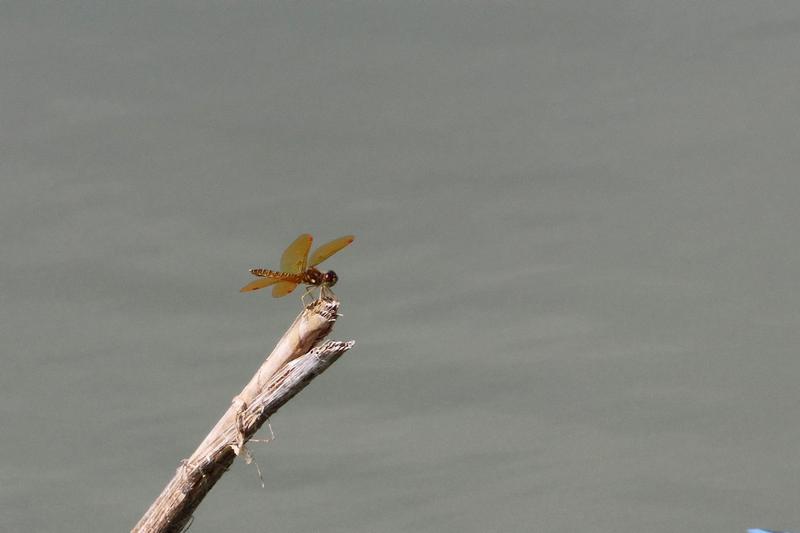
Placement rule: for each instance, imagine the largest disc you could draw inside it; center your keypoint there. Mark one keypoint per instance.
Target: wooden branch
(288, 369)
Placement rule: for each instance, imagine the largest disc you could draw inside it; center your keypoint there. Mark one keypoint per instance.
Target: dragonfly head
(329, 278)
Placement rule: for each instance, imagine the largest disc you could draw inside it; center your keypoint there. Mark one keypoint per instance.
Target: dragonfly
(297, 267)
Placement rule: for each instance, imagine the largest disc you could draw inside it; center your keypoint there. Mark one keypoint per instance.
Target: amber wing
(295, 256)
(283, 288)
(259, 283)
(328, 249)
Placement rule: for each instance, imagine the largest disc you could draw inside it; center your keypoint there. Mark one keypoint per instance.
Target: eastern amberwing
(297, 268)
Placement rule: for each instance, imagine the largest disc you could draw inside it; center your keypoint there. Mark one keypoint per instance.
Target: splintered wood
(296, 360)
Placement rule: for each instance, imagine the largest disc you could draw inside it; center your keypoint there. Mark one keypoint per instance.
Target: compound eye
(330, 278)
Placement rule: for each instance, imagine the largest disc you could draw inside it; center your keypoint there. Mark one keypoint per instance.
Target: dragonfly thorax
(312, 276)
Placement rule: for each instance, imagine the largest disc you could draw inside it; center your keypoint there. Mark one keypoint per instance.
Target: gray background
(574, 288)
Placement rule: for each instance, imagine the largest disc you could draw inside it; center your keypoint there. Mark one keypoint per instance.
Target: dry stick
(289, 368)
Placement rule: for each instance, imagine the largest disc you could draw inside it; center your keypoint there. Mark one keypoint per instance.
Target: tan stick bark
(288, 369)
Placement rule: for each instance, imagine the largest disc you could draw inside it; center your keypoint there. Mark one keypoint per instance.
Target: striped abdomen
(284, 276)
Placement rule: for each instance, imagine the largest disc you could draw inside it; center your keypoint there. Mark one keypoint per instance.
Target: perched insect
(297, 268)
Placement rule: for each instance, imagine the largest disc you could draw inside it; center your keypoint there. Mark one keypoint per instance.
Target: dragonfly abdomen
(285, 276)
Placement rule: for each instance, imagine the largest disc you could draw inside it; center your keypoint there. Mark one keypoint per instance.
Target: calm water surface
(574, 288)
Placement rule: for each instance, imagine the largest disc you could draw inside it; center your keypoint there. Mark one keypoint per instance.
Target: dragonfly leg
(307, 292)
(325, 293)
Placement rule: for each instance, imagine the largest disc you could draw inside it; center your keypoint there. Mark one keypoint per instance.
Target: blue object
(756, 530)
